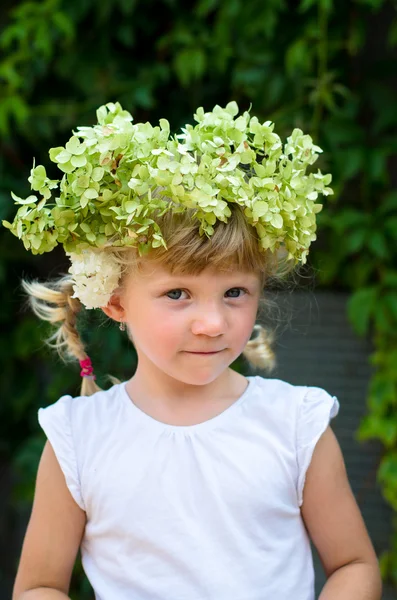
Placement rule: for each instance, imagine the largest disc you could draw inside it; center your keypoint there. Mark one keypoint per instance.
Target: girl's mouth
(216, 352)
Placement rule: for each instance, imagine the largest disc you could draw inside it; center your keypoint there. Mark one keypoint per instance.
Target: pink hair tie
(87, 369)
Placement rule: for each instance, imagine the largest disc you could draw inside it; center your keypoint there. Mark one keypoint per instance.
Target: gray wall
(319, 348)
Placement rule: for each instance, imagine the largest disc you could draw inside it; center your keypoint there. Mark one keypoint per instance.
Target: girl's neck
(178, 403)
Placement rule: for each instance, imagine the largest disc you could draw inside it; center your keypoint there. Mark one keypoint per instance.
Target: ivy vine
(323, 65)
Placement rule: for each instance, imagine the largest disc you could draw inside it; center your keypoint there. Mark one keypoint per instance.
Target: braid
(258, 351)
(54, 303)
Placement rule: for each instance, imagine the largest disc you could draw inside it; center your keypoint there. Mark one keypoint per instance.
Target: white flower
(96, 275)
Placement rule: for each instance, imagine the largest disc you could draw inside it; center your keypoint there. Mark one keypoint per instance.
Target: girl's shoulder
(284, 393)
(306, 410)
(97, 401)
(299, 415)
(78, 425)
(95, 412)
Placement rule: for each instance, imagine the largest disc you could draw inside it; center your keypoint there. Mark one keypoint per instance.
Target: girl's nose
(210, 322)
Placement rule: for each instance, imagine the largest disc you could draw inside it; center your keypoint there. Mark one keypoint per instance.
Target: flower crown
(117, 176)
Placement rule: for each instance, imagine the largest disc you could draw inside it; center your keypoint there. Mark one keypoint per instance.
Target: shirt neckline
(209, 423)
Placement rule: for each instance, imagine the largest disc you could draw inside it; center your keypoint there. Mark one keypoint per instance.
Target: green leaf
(350, 218)
(304, 5)
(97, 174)
(91, 193)
(232, 108)
(354, 241)
(377, 164)
(78, 161)
(376, 242)
(189, 65)
(298, 56)
(361, 307)
(350, 161)
(73, 145)
(392, 34)
(204, 7)
(390, 301)
(29, 200)
(374, 4)
(260, 208)
(382, 320)
(37, 177)
(63, 157)
(277, 221)
(388, 467)
(388, 203)
(85, 227)
(385, 563)
(84, 201)
(64, 24)
(54, 152)
(390, 278)
(391, 227)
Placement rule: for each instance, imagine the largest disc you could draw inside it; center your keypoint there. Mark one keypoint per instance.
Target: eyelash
(233, 298)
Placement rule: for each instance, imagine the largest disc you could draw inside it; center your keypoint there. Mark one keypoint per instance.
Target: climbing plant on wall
(326, 66)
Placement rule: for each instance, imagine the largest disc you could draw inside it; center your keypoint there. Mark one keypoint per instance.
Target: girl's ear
(114, 308)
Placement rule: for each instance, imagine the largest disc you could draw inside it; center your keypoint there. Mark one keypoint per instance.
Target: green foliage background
(327, 66)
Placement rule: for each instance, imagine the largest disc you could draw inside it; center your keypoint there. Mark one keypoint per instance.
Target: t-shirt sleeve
(55, 421)
(316, 410)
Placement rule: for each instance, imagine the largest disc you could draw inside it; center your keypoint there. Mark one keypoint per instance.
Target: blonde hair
(233, 245)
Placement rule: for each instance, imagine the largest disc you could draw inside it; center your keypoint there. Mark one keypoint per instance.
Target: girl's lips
(216, 352)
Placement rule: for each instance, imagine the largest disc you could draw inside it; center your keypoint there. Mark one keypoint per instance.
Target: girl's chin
(197, 374)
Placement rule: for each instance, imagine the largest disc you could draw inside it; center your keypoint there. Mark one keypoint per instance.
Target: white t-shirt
(202, 512)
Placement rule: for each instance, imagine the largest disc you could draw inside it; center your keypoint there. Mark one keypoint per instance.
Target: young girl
(189, 481)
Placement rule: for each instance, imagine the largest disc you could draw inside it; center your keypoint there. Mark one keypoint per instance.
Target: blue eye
(237, 289)
(179, 291)
(173, 292)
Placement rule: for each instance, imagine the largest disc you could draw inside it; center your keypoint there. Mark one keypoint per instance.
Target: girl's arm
(52, 538)
(336, 527)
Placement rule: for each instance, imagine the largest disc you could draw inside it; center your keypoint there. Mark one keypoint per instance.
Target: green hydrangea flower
(116, 174)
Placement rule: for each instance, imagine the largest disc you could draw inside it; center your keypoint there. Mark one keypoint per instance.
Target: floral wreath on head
(117, 174)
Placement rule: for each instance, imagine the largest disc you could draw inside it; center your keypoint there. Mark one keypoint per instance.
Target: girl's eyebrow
(233, 278)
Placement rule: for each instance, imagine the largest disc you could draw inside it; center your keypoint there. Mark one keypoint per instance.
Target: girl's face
(174, 319)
